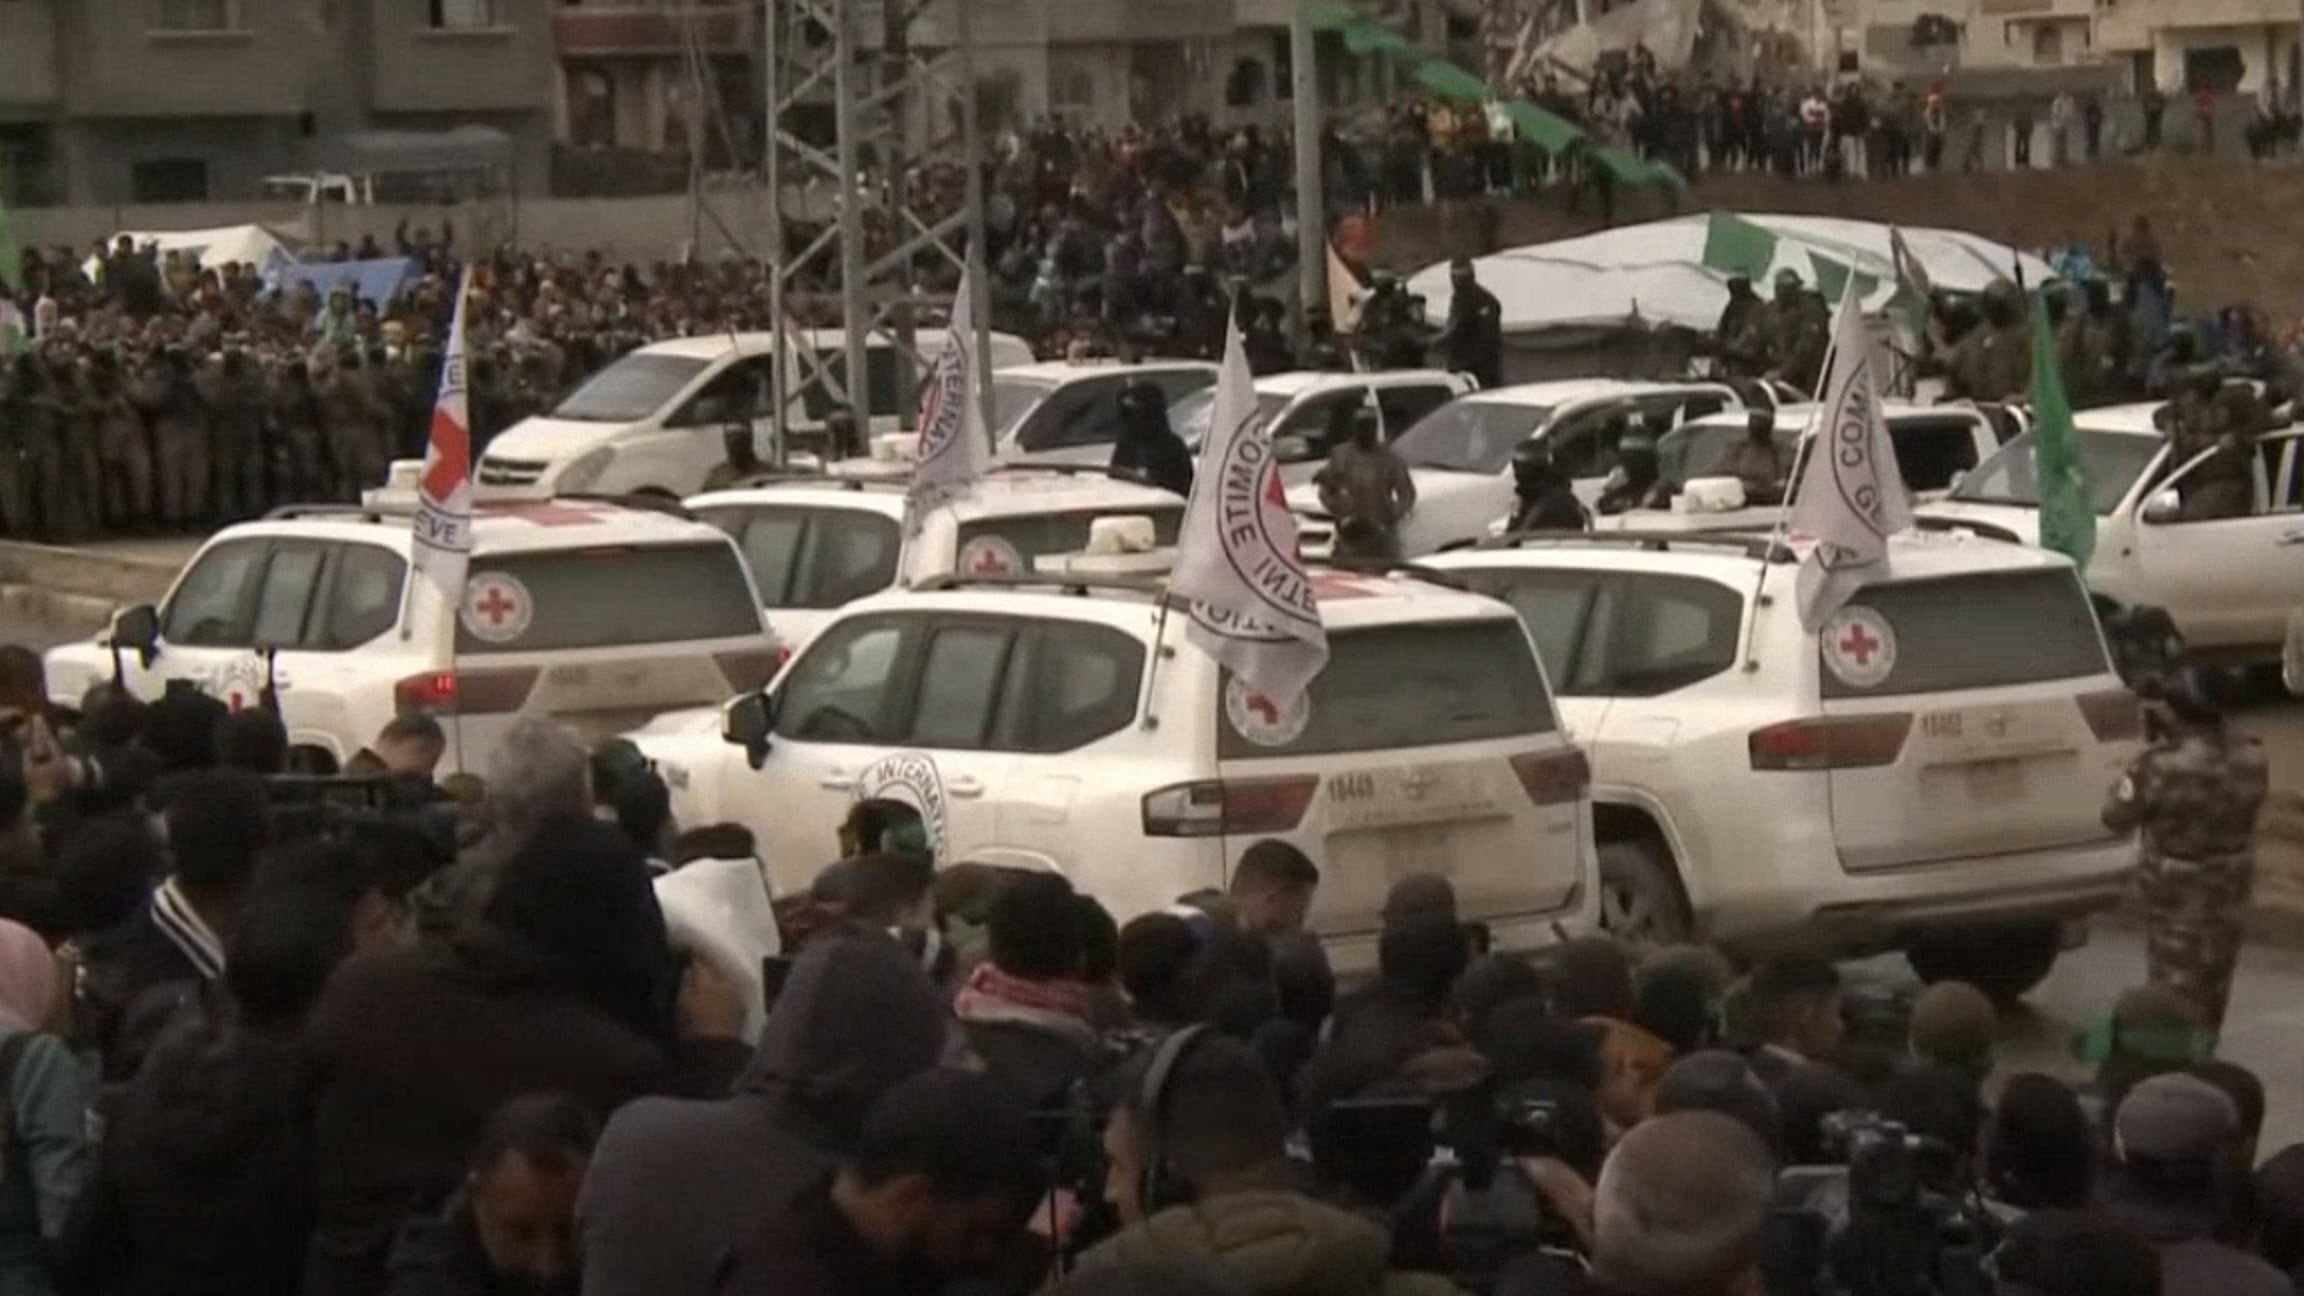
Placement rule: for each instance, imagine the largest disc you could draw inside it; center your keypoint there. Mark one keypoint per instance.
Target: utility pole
(1311, 196)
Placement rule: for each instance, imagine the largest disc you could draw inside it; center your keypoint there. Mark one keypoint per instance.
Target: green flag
(1734, 245)
(11, 269)
(1832, 278)
(2067, 519)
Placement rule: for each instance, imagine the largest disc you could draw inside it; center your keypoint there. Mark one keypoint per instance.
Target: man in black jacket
(1148, 447)
(509, 1230)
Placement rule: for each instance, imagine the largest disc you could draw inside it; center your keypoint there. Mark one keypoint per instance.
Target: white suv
(595, 615)
(1068, 411)
(1069, 727)
(2228, 583)
(1460, 455)
(816, 544)
(1926, 774)
(1299, 409)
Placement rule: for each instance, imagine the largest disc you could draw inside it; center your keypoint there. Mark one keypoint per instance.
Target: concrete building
(2243, 46)
(1092, 62)
(630, 71)
(136, 101)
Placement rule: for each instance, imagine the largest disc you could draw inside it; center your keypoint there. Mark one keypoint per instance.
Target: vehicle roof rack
(944, 581)
(1763, 548)
(1390, 567)
(346, 512)
(642, 502)
(1129, 475)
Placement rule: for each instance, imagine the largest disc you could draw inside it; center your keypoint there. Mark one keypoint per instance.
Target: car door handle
(836, 781)
(964, 787)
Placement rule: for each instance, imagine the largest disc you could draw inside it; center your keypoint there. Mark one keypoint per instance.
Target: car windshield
(1470, 436)
(1013, 398)
(1190, 414)
(630, 389)
(2112, 460)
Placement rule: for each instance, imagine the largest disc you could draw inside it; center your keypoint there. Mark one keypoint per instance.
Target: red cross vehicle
(818, 541)
(1067, 726)
(588, 612)
(1923, 772)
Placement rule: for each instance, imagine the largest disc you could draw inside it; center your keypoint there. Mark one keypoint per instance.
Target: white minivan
(655, 422)
(1069, 727)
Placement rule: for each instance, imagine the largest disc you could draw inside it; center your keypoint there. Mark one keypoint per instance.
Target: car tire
(2003, 962)
(1640, 896)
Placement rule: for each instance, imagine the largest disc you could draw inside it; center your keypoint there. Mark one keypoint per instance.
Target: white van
(1066, 727)
(654, 422)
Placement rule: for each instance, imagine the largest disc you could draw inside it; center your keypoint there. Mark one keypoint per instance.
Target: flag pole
(1800, 453)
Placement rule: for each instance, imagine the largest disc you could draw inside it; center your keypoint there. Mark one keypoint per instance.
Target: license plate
(1998, 782)
(1378, 798)
(1993, 734)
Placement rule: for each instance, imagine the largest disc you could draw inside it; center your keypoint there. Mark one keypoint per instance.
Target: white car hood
(545, 439)
(2005, 519)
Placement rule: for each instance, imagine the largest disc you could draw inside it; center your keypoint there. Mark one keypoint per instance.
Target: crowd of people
(441, 1038)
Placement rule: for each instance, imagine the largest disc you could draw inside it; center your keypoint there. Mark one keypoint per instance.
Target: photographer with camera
(1197, 1165)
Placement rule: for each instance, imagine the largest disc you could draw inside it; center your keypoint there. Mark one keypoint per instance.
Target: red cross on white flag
(444, 504)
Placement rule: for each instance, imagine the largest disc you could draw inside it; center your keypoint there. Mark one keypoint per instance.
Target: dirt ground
(2228, 228)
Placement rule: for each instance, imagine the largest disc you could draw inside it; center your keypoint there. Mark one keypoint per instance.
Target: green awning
(1363, 38)
(1450, 81)
(1547, 131)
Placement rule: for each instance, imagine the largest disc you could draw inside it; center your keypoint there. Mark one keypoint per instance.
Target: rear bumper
(1855, 913)
(1354, 956)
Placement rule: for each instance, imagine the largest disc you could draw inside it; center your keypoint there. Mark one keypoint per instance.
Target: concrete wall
(118, 67)
(416, 68)
(28, 73)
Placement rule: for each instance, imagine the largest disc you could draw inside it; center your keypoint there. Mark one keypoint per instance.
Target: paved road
(2266, 1029)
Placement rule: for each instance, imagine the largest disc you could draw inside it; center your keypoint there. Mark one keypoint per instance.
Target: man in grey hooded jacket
(674, 1184)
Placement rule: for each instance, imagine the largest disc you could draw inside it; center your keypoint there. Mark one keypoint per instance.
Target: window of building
(196, 15)
(456, 15)
(169, 180)
(2048, 43)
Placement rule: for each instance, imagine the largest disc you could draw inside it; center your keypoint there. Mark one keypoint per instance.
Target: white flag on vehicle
(955, 447)
(1851, 496)
(444, 494)
(1237, 565)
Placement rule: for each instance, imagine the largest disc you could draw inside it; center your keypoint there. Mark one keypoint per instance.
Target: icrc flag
(1851, 496)
(444, 493)
(1237, 566)
(955, 447)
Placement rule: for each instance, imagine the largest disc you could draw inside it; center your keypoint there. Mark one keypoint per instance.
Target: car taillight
(1830, 742)
(469, 692)
(753, 667)
(2113, 715)
(1216, 807)
(1553, 778)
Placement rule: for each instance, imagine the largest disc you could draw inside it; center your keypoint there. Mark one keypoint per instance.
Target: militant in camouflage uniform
(2194, 793)
(1993, 361)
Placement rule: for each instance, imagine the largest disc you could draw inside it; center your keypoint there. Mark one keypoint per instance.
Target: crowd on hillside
(443, 1040)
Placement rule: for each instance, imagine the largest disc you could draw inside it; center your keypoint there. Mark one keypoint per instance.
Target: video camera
(1891, 1219)
(308, 806)
(1447, 1173)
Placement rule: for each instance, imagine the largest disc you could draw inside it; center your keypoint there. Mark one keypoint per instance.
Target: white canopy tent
(251, 244)
(1655, 273)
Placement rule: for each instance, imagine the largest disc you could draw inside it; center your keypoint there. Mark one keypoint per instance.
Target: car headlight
(585, 473)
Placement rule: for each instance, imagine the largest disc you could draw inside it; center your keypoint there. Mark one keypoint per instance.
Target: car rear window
(607, 597)
(1981, 631)
(1038, 534)
(1414, 686)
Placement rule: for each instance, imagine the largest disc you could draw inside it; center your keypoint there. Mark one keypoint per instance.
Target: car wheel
(2003, 962)
(1640, 896)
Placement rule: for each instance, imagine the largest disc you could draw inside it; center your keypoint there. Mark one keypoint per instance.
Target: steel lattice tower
(893, 102)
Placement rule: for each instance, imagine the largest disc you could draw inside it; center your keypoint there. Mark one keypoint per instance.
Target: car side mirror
(138, 627)
(2164, 506)
(1291, 449)
(746, 721)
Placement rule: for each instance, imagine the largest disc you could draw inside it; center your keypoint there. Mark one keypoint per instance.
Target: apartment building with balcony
(2231, 46)
(136, 101)
(644, 74)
